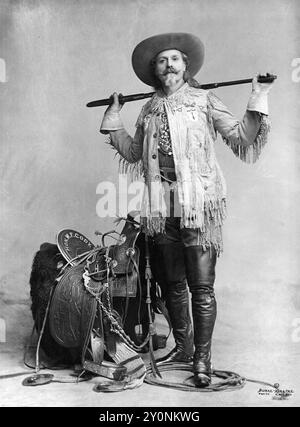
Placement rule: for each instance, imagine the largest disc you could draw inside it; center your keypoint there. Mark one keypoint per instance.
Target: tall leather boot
(170, 275)
(200, 269)
(204, 315)
(177, 301)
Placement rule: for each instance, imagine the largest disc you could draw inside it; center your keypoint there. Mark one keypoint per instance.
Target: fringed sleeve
(128, 149)
(246, 138)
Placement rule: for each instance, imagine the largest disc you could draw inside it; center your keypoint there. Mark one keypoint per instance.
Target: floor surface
(238, 346)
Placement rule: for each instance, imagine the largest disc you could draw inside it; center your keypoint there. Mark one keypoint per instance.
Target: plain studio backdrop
(57, 56)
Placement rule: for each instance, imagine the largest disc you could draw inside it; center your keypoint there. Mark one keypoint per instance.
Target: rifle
(269, 78)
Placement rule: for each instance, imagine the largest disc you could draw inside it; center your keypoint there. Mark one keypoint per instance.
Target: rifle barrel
(138, 96)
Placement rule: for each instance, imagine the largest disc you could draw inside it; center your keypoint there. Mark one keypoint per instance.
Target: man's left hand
(262, 88)
(258, 100)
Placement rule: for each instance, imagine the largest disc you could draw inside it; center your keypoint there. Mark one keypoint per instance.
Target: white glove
(258, 100)
(111, 119)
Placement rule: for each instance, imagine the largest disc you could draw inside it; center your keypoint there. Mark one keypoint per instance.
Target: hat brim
(147, 50)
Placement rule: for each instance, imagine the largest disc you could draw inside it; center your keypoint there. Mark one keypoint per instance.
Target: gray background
(61, 55)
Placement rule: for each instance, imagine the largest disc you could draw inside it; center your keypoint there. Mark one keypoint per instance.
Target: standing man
(184, 202)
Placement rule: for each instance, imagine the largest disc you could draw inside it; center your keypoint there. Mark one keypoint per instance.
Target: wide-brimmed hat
(147, 50)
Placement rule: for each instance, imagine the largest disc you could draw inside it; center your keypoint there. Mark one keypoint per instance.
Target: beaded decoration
(164, 138)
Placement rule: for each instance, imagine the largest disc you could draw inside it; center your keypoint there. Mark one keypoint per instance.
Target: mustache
(169, 70)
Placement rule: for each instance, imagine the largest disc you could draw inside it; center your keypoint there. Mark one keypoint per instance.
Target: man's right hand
(115, 107)
(111, 120)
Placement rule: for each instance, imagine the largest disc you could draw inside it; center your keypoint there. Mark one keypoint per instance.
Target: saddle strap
(138, 279)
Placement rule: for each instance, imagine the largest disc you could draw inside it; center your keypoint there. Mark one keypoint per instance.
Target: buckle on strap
(168, 174)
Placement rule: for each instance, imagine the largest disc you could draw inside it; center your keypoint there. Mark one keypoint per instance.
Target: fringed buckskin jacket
(194, 117)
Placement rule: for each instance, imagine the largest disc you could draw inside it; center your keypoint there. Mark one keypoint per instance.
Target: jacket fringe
(210, 232)
(213, 214)
(251, 153)
(134, 170)
(152, 225)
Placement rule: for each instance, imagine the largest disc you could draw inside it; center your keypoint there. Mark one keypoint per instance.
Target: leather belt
(168, 174)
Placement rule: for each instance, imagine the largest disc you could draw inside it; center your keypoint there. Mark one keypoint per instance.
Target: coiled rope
(229, 380)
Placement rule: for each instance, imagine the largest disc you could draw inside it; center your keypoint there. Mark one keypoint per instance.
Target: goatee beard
(170, 79)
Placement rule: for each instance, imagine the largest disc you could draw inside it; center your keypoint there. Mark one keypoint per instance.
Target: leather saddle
(76, 322)
(75, 316)
(73, 309)
(118, 264)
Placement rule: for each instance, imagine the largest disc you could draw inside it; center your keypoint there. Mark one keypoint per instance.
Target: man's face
(170, 67)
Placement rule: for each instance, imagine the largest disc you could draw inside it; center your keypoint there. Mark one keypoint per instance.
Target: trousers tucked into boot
(176, 295)
(183, 259)
(200, 272)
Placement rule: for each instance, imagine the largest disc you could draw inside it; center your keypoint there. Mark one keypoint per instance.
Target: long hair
(186, 76)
